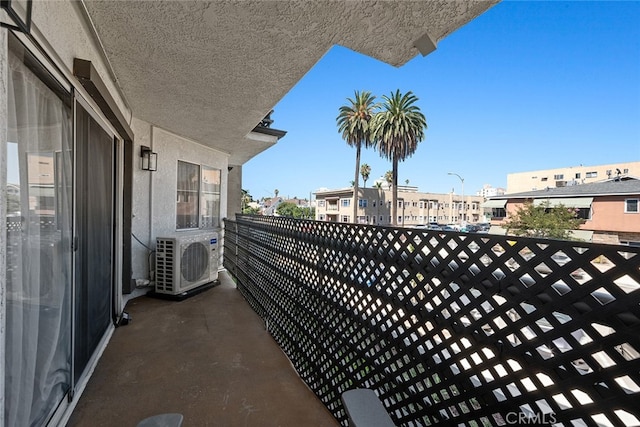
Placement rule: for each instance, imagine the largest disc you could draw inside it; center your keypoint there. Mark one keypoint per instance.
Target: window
(558, 176)
(631, 205)
(362, 203)
(577, 175)
(345, 203)
(498, 213)
(197, 197)
(543, 179)
(345, 218)
(591, 174)
(321, 203)
(583, 213)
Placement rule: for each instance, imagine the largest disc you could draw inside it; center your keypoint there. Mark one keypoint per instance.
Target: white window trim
(637, 206)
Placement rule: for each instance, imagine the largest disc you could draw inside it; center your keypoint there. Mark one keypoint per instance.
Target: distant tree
(365, 172)
(287, 209)
(397, 129)
(543, 221)
(307, 213)
(388, 178)
(250, 211)
(406, 181)
(291, 210)
(353, 123)
(276, 192)
(13, 203)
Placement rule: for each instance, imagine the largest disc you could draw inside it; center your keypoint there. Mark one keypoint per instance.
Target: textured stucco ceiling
(211, 70)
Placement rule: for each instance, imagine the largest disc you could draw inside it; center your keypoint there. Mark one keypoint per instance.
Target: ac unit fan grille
(195, 262)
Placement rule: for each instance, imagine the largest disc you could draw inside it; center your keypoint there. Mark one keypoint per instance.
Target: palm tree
(388, 178)
(365, 171)
(378, 186)
(397, 130)
(353, 123)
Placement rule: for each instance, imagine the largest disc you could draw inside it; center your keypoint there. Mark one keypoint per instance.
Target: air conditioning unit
(185, 262)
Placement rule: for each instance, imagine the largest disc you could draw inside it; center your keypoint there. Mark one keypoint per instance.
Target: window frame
(206, 201)
(637, 205)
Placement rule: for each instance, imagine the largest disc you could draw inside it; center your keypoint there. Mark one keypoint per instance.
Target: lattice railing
(449, 328)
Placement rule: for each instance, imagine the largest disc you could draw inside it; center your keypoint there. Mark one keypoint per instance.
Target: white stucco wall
(141, 226)
(61, 27)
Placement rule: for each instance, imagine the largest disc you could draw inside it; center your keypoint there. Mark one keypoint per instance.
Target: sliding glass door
(94, 234)
(38, 243)
(61, 228)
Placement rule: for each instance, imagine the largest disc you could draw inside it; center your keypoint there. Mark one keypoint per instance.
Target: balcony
(208, 358)
(446, 328)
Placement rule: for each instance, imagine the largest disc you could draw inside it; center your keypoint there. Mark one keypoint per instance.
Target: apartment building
(610, 209)
(414, 207)
(572, 175)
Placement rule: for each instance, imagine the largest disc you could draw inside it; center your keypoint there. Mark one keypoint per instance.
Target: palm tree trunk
(394, 192)
(356, 187)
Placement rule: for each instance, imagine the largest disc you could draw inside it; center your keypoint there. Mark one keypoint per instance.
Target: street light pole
(462, 221)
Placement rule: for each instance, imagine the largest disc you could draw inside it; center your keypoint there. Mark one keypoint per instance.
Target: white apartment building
(489, 191)
(414, 207)
(572, 175)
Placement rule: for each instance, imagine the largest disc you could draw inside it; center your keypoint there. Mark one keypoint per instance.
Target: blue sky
(526, 86)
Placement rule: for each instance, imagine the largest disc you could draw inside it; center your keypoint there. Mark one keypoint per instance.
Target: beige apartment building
(414, 207)
(572, 175)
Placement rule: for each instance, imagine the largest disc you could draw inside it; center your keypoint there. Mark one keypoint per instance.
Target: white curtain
(39, 157)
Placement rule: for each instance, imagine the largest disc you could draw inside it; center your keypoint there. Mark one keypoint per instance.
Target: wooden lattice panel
(449, 328)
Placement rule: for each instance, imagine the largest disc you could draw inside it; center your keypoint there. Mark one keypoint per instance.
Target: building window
(345, 203)
(321, 203)
(362, 203)
(631, 205)
(197, 197)
(345, 218)
(625, 171)
(558, 176)
(321, 217)
(591, 174)
(498, 213)
(543, 179)
(577, 175)
(583, 213)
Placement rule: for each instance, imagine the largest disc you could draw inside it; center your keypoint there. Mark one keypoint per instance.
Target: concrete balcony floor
(207, 357)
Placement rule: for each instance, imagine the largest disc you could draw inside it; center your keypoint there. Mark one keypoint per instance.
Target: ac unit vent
(185, 262)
